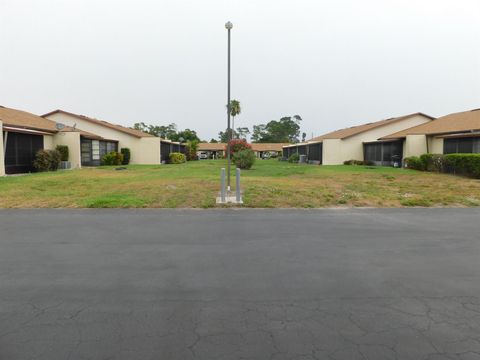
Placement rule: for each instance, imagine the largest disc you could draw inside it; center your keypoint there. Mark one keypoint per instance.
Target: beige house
(352, 143)
(24, 134)
(453, 133)
(144, 148)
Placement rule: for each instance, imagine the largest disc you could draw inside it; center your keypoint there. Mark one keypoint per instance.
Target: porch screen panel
(314, 152)
(373, 152)
(465, 145)
(21, 151)
(476, 145)
(450, 146)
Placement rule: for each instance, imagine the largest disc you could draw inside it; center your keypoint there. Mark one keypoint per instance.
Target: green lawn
(269, 184)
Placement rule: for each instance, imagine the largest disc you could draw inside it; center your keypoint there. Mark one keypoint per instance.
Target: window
(95, 150)
(465, 145)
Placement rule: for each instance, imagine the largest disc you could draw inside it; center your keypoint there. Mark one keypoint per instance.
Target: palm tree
(235, 110)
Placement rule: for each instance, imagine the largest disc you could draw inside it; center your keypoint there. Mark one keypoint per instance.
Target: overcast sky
(336, 63)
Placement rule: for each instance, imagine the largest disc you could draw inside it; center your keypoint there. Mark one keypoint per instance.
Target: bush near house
(462, 164)
(112, 158)
(358, 162)
(126, 155)
(244, 159)
(177, 158)
(191, 150)
(238, 145)
(63, 150)
(294, 158)
(433, 162)
(47, 160)
(414, 163)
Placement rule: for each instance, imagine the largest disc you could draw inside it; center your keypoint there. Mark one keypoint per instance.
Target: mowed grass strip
(270, 183)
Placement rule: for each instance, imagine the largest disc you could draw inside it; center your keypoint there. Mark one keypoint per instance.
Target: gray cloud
(336, 63)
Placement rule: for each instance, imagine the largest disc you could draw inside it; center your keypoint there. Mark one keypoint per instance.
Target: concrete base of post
(226, 196)
(230, 198)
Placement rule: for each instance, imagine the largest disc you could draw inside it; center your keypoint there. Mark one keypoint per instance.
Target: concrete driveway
(245, 284)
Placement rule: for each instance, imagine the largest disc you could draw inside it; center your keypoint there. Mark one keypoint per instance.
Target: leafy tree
(222, 135)
(287, 129)
(168, 132)
(165, 132)
(242, 132)
(185, 135)
(192, 148)
(213, 141)
(304, 136)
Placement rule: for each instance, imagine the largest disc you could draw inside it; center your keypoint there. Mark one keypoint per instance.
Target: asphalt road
(245, 284)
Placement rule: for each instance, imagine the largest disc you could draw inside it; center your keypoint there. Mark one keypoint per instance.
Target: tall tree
(185, 136)
(235, 109)
(243, 132)
(165, 132)
(223, 135)
(287, 129)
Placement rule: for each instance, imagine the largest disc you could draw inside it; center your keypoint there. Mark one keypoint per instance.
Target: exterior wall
(72, 140)
(143, 150)
(2, 154)
(352, 148)
(415, 145)
(48, 142)
(332, 152)
(435, 145)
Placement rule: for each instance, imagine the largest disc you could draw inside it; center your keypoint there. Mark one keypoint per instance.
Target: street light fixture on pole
(229, 27)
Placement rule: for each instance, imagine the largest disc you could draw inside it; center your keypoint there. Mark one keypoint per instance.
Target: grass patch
(269, 183)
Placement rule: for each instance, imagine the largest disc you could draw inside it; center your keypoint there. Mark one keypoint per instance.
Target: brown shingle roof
(453, 123)
(25, 120)
(354, 130)
(255, 146)
(268, 146)
(120, 128)
(211, 146)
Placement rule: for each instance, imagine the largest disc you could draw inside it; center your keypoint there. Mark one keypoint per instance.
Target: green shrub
(126, 155)
(177, 158)
(433, 162)
(356, 162)
(464, 164)
(244, 159)
(415, 163)
(47, 160)
(112, 158)
(294, 158)
(238, 145)
(63, 150)
(191, 150)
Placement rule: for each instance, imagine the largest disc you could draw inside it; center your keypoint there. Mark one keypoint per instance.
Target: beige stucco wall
(72, 140)
(332, 152)
(143, 150)
(352, 148)
(48, 142)
(435, 145)
(2, 154)
(415, 145)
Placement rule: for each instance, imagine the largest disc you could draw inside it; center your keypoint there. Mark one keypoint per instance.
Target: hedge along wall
(461, 164)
